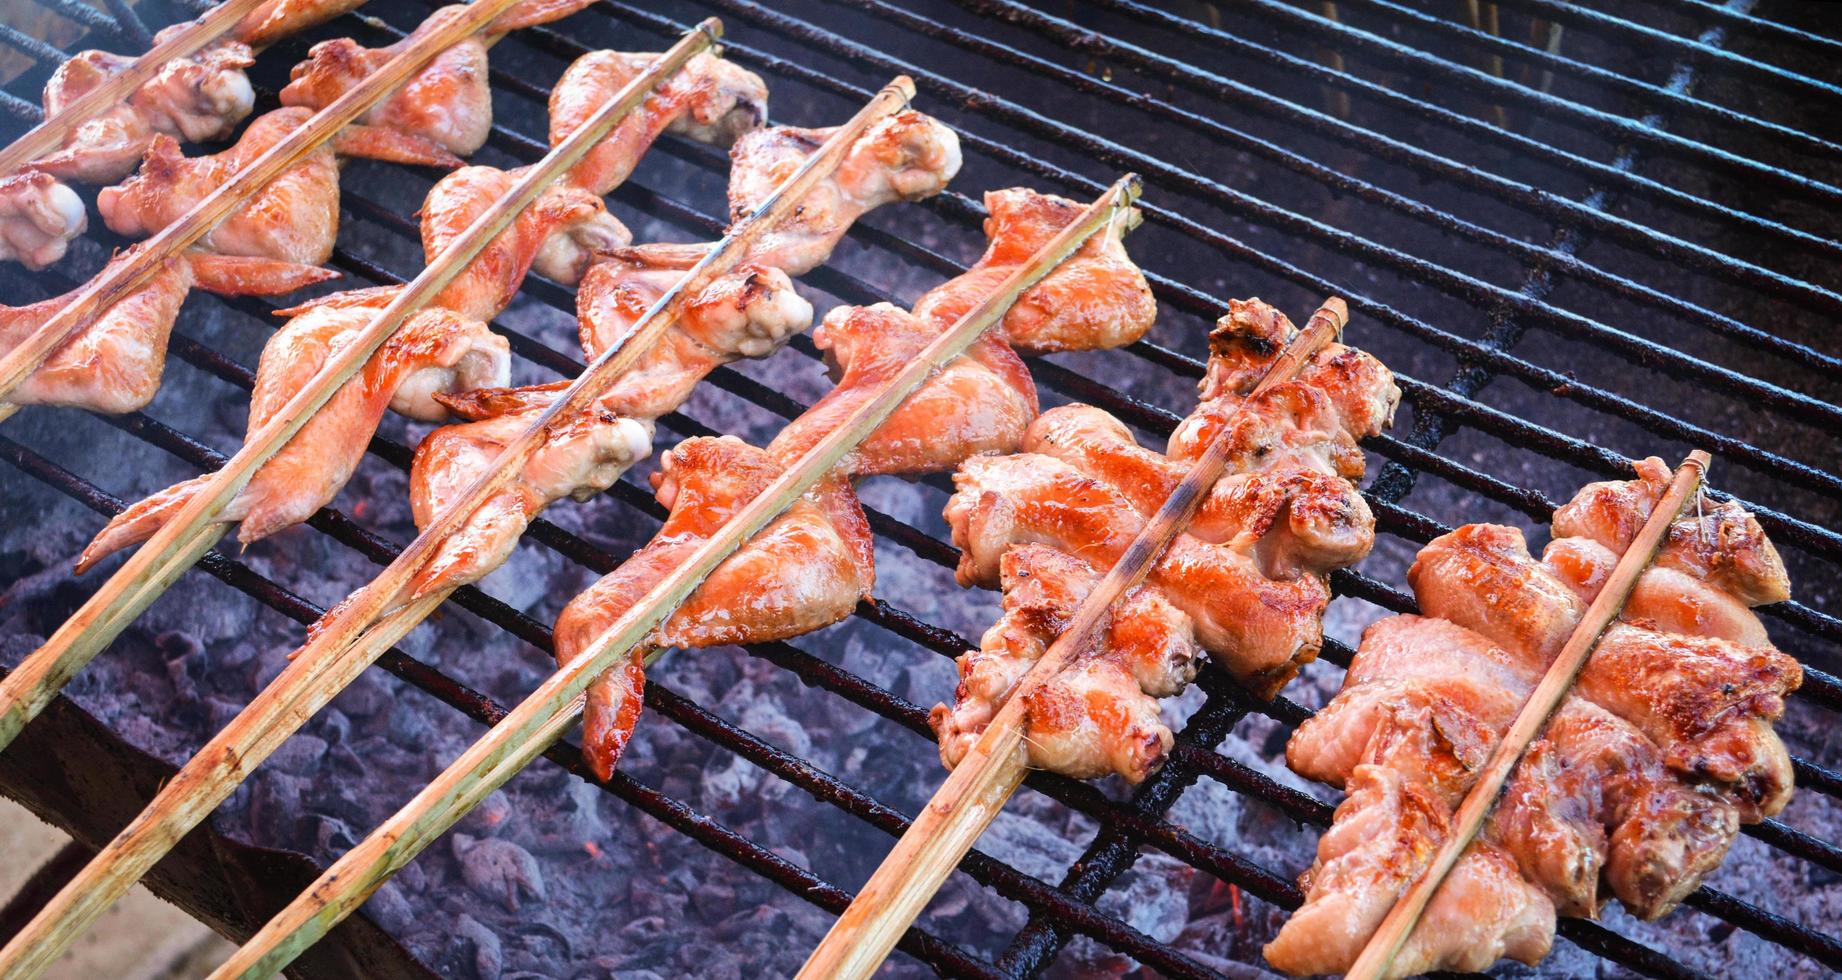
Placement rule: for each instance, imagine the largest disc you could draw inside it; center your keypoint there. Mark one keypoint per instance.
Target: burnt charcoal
(186, 663)
(300, 754)
(410, 729)
(499, 870)
(656, 902)
(365, 696)
(645, 930)
(333, 725)
(275, 800)
(571, 824)
(412, 878)
(488, 956)
(714, 901)
(490, 817)
(334, 836)
(388, 908)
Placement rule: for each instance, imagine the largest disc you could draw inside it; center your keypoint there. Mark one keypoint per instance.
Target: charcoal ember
(410, 729)
(300, 754)
(389, 908)
(499, 870)
(333, 725)
(333, 835)
(219, 713)
(365, 696)
(569, 822)
(186, 663)
(482, 945)
(412, 878)
(653, 900)
(490, 817)
(275, 801)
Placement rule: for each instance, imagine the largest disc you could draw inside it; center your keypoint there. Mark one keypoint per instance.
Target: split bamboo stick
(1378, 955)
(118, 280)
(305, 686)
(50, 134)
(542, 717)
(978, 787)
(310, 681)
(178, 544)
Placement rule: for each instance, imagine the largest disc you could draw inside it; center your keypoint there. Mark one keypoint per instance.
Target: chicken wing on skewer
(279, 18)
(749, 312)
(114, 365)
(983, 400)
(295, 217)
(806, 569)
(447, 102)
(194, 99)
(39, 217)
(709, 100)
(1245, 582)
(1642, 778)
(436, 350)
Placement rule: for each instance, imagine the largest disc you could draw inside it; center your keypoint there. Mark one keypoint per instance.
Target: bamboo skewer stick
(978, 787)
(179, 543)
(549, 711)
(310, 681)
(117, 281)
(50, 134)
(344, 625)
(1378, 955)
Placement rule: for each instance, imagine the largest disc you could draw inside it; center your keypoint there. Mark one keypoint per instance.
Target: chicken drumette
(294, 217)
(114, 364)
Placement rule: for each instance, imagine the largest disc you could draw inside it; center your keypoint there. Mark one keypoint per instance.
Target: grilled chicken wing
(114, 365)
(806, 569)
(197, 98)
(710, 100)
(446, 103)
(39, 217)
(583, 456)
(1245, 582)
(1261, 629)
(1098, 718)
(435, 350)
(1096, 299)
(294, 218)
(1642, 778)
(905, 157)
(279, 18)
(1385, 833)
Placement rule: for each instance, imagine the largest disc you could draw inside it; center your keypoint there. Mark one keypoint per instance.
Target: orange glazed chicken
(1246, 583)
(747, 313)
(1634, 791)
(981, 401)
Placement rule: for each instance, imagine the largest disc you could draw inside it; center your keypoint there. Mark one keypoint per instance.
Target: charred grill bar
(1573, 269)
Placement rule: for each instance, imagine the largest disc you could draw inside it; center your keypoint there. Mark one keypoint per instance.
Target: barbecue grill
(1575, 236)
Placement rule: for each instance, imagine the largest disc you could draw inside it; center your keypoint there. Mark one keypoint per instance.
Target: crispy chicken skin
(1095, 719)
(294, 218)
(435, 350)
(1638, 785)
(710, 100)
(114, 365)
(1246, 581)
(446, 103)
(197, 98)
(1384, 834)
(749, 312)
(806, 569)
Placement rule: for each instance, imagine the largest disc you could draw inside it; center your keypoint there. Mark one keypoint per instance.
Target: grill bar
(1193, 757)
(1505, 138)
(1666, 96)
(1690, 47)
(1616, 126)
(1819, 540)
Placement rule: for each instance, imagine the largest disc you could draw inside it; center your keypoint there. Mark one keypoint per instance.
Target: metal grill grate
(1570, 172)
